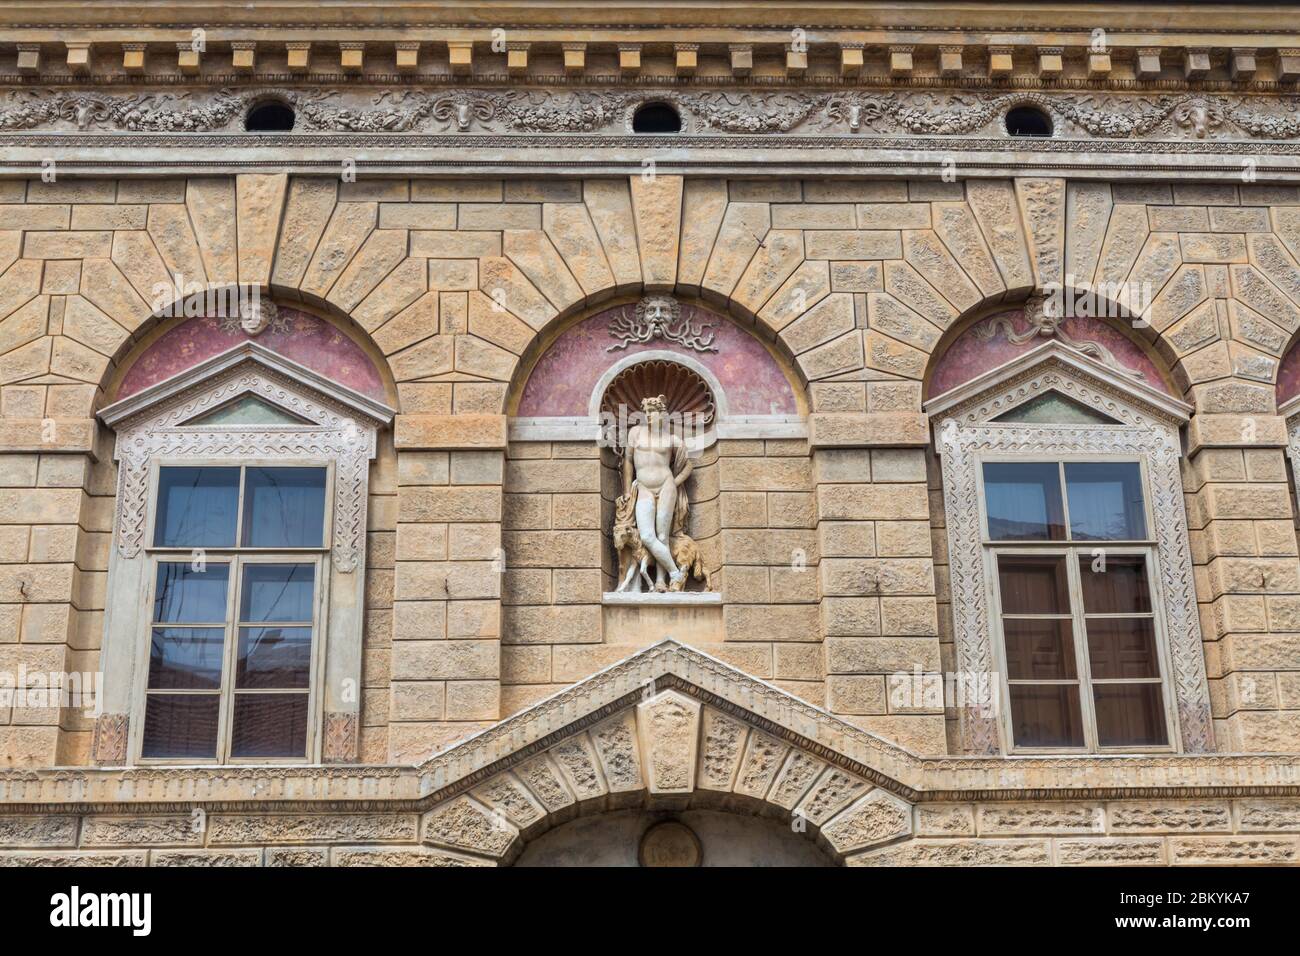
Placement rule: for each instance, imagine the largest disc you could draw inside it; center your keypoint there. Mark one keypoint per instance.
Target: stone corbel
(243, 55)
(742, 58)
(686, 58)
(408, 55)
(1196, 63)
(1242, 63)
(629, 58)
(29, 57)
(1148, 65)
(516, 58)
(950, 62)
(352, 56)
(133, 57)
(851, 59)
(575, 57)
(187, 58)
(79, 55)
(900, 60)
(299, 56)
(1051, 61)
(1000, 61)
(460, 56)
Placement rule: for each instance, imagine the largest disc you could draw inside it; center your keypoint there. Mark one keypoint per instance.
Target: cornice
(666, 664)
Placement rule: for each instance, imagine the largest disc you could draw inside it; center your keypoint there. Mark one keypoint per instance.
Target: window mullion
(1082, 659)
(226, 711)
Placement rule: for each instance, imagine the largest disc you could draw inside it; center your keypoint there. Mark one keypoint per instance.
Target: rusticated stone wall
(455, 284)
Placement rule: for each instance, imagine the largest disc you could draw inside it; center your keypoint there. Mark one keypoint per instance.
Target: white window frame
(1147, 430)
(338, 432)
(1071, 550)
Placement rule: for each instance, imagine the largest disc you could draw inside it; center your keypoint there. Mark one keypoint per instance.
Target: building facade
(543, 434)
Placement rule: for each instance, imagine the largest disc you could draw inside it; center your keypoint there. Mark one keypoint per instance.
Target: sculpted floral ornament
(948, 112)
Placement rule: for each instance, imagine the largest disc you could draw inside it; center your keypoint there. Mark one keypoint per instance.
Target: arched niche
(558, 396)
(994, 339)
(296, 334)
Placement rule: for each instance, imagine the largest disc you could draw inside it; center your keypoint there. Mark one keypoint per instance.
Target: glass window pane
(1122, 648)
(269, 725)
(1033, 585)
(273, 657)
(284, 507)
(196, 507)
(1039, 650)
(181, 725)
(1023, 500)
(1105, 500)
(186, 658)
(186, 595)
(1046, 715)
(1118, 586)
(277, 592)
(1130, 715)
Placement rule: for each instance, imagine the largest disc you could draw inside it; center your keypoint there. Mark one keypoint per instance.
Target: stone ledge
(47, 435)
(660, 598)
(867, 430)
(449, 432)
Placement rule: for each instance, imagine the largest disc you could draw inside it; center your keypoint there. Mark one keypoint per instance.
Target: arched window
(656, 118)
(239, 532)
(1075, 616)
(1028, 121)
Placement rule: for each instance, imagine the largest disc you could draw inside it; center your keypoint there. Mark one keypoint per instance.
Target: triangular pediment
(669, 726)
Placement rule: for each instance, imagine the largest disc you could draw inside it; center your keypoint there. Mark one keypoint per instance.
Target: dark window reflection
(1130, 715)
(273, 657)
(185, 594)
(1046, 715)
(277, 592)
(1039, 649)
(197, 507)
(1105, 501)
(1023, 500)
(1117, 586)
(181, 725)
(269, 725)
(186, 658)
(284, 507)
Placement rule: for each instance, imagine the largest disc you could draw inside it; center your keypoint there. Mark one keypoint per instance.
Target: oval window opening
(269, 117)
(656, 118)
(1028, 121)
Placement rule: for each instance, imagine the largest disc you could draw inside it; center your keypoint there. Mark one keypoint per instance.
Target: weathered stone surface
(743, 227)
(259, 201)
(312, 828)
(923, 250)
(37, 831)
(795, 778)
(722, 747)
(576, 760)
(570, 228)
(465, 824)
(874, 819)
(616, 746)
(834, 790)
(173, 235)
(1111, 852)
(1014, 819)
(957, 853)
(1170, 817)
(506, 794)
(1087, 213)
(668, 725)
(993, 201)
(955, 225)
(509, 289)
(349, 226)
(211, 204)
(128, 831)
(610, 204)
(657, 208)
(704, 202)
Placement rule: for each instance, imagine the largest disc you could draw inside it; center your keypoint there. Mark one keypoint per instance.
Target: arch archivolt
(463, 299)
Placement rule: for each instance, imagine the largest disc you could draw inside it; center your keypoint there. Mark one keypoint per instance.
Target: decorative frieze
(1164, 117)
